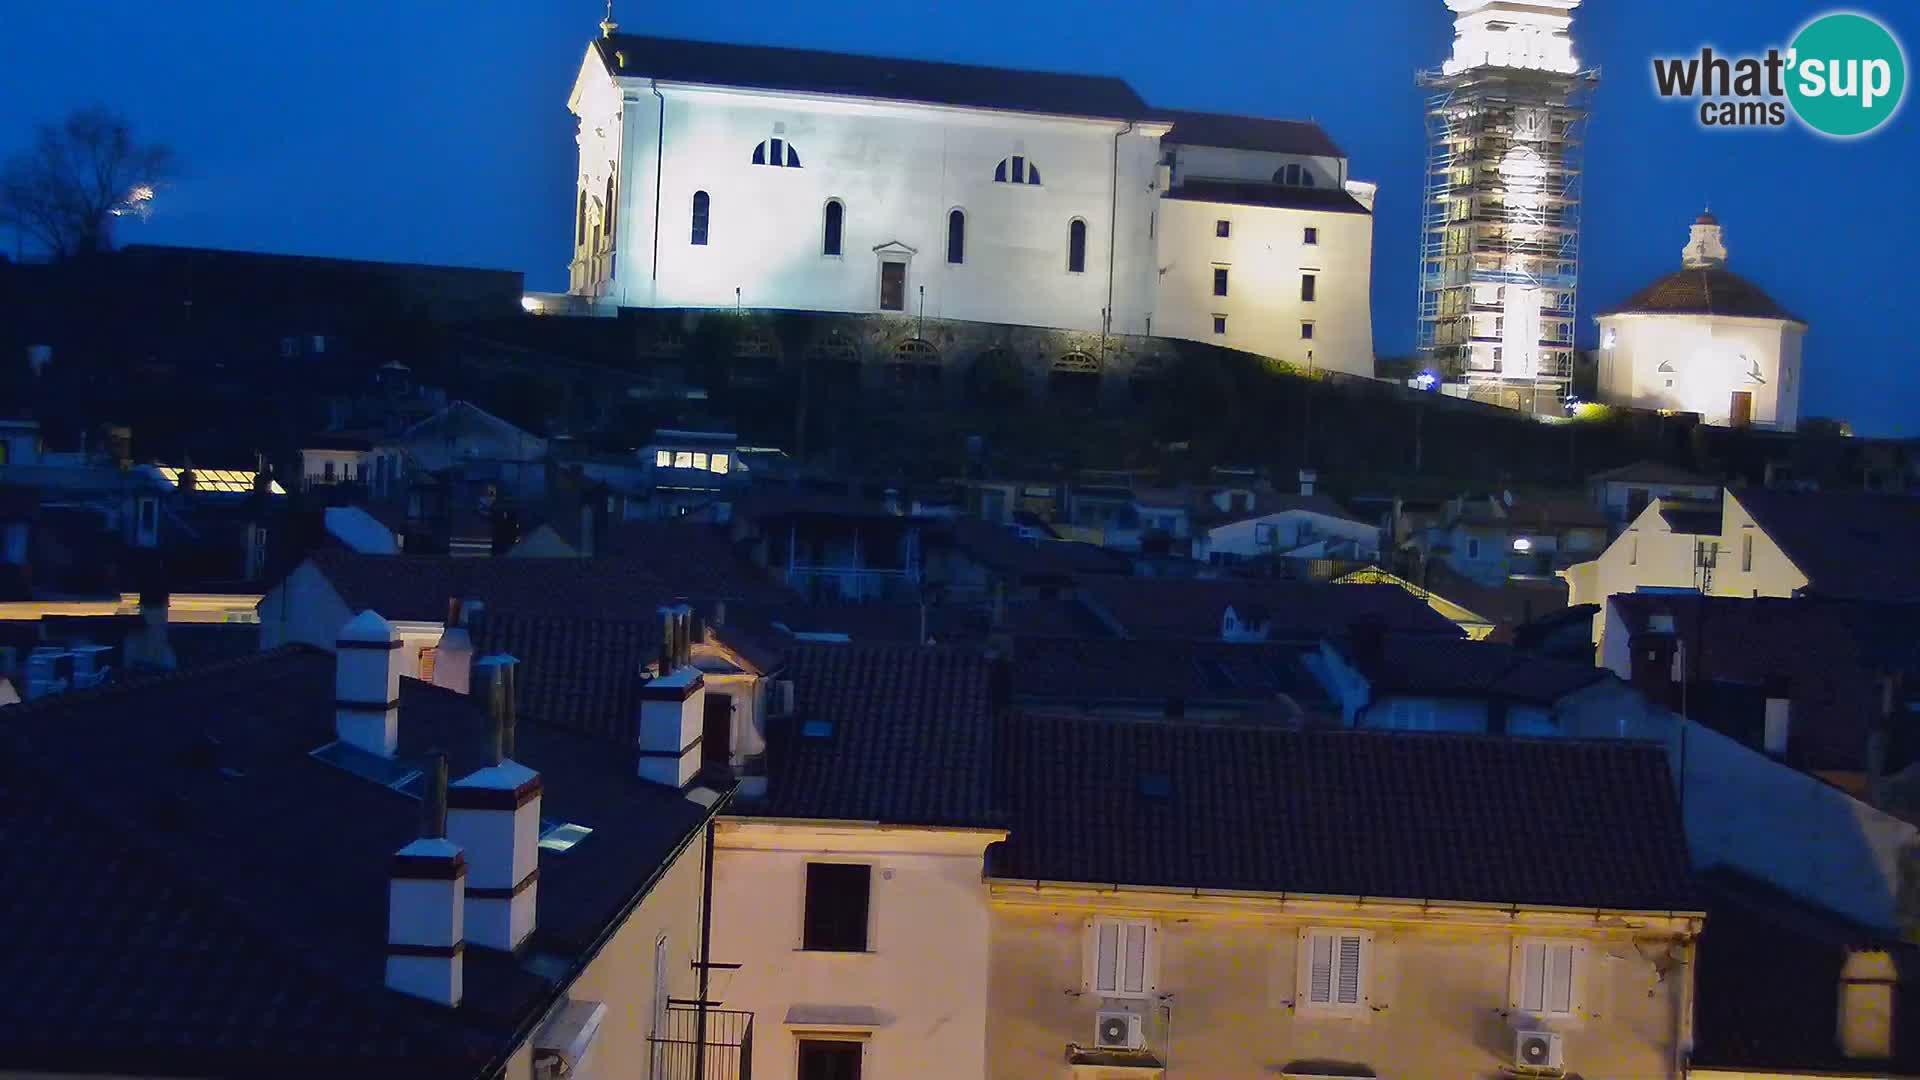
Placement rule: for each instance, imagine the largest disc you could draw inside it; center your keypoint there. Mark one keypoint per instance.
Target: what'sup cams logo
(1844, 76)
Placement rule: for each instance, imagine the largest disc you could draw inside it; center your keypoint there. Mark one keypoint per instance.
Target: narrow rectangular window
(836, 907)
(1076, 246)
(1544, 976)
(777, 153)
(1306, 287)
(1223, 228)
(1746, 553)
(1019, 169)
(1219, 324)
(426, 663)
(700, 461)
(1335, 969)
(663, 459)
(830, 1059)
(1306, 331)
(1310, 235)
(833, 226)
(1219, 281)
(701, 205)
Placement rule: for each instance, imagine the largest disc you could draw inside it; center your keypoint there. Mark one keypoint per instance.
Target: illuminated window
(700, 461)
(778, 153)
(663, 459)
(700, 205)
(1293, 176)
(1077, 247)
(1223, 228)
(1310, 236)
(1307, 283)
(836, 218)
(718, 464)
(956, 236)
(1219, 281)
(1016, 170)
(1219, 324)
(683, 459)
(427, 654)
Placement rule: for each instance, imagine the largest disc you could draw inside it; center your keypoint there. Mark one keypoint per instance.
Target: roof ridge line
(161, 678)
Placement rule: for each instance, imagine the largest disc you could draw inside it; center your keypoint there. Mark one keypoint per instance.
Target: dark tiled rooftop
(911, 731)
(1849, 544)
(1191, 610)
(1002, 550)
(888, 78)
(1696, 291)
(1652, 472)
(1255, 193)
(1248, 133)
(1346, 813)
(1422, 666)
(1087, 672)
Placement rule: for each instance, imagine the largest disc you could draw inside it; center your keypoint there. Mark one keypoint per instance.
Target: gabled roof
(195, 894)
(908, 741)
(1344, 813)
(1691, 518)
(1255, 193)
(1423, 667)
(1249, 133)
(1704, 291)
(1162, 608)
(1089, 672)
(1270, 504)
(886, 78)
(1847, 543)
(1652, 472)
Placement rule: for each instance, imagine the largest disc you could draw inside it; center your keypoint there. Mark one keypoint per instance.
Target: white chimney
(1867, 983)
(672, 708)
(366, 684)
(453, 654)
(494, 813)
(426, 898)
(1308, 477)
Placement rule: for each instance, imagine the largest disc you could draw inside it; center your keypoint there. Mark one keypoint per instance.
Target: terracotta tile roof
(223, 899)
(910, 739)
(1704, 292)
(1848, 544)
(1070, 671)
(1343, 813)
(1164, 608)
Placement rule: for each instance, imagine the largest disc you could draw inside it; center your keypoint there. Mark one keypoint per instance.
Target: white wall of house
(1265, 255)
(1751, 563)
(1283, 531)
(1648, 555)
(918, 996)
(1616, 496)
(1695, 363)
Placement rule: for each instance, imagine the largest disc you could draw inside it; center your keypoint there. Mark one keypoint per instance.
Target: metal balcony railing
(677, 1050)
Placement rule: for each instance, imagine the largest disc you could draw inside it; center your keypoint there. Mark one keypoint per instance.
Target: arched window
(1077, 247)
(606, 218)
(777, 152)
(915, 367)
(1295, 175)
(580, 221)
(956, 236)
(1074, 379)
(1016, 170)
(700, 204)
(836, 217)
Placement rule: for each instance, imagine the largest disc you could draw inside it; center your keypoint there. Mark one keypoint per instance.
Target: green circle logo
(1847, 75)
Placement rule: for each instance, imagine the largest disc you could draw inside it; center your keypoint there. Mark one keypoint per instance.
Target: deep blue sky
(432, 131)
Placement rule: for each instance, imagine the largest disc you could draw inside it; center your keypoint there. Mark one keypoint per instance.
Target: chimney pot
(366, 686)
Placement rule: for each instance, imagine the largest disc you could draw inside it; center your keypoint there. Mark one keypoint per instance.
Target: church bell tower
(1500, 244)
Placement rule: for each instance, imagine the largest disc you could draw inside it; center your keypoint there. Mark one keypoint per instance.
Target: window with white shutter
(1545, 977)
(1120, 957)
(1333, 970)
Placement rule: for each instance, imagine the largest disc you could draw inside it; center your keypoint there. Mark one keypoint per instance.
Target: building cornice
(746, 832)
(892, 106)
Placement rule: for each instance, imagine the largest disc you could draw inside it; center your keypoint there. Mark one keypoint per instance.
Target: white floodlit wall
(1696, 363)
(1265, 254)
(1244, 539)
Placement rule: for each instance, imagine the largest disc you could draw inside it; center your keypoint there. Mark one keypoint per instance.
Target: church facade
(1704, 340)
(717, 176)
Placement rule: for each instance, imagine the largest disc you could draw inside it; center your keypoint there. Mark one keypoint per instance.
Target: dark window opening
(1223, 228)
(580, 228)
(1077, 247)
(837, 900)
(716, 733)
(700, 203)
(893, 286)
(606, 218)
(1219, 324)
(1306, 331)
(957, 236)
(1310, 236)
(830, 1059)
(1219, 281)
(836, 217)
(1306, 287)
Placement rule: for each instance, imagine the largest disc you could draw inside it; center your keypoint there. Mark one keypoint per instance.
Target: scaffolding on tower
(1500, 237)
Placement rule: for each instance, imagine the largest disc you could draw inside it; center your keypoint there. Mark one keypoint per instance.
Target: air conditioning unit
(1116, 1030)
(1538, 1050)
(780, 697)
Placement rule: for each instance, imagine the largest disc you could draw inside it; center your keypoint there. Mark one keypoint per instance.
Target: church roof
(1255, 193)
(1704, 291)
(1249, 133)
(891, 78)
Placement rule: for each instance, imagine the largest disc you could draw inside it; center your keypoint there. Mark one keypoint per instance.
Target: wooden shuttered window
(1334, 968)
(1120, 960)
(836, 907)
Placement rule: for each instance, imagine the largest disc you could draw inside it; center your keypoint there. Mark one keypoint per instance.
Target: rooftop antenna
(607, 25)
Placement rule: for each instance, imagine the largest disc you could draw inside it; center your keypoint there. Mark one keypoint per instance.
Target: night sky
(438, 132)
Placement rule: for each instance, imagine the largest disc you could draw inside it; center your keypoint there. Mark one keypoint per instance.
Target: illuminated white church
(1704, 340)
(715, 176)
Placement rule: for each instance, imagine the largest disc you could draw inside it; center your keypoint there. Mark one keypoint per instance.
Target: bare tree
(77, 177)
